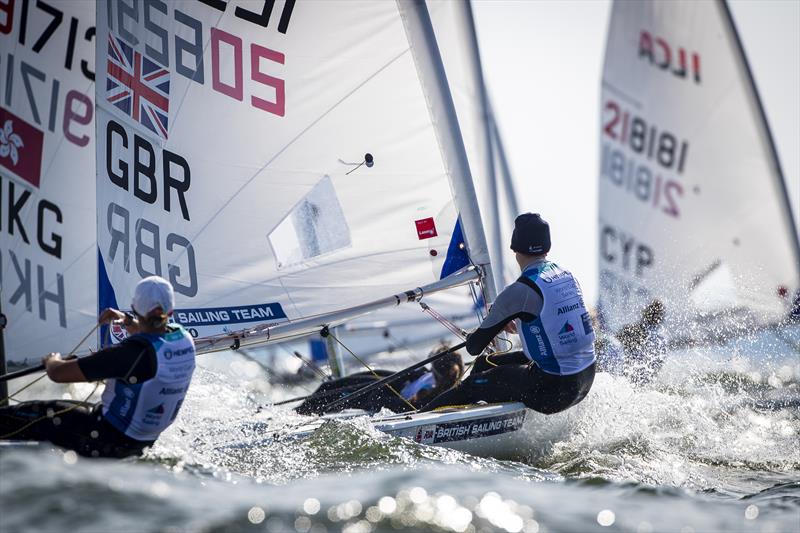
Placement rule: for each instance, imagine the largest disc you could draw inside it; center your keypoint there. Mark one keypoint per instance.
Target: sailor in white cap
(147, 376)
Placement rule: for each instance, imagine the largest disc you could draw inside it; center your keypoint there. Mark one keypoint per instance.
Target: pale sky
(542, 61)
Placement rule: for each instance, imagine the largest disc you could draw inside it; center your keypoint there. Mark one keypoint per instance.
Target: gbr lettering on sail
(152, 54)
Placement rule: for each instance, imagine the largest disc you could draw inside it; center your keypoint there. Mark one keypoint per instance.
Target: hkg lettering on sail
(26, 281)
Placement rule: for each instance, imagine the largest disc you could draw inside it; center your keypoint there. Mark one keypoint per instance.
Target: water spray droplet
(605, 517)
(256, 515)
(311, 506)
(751, 512)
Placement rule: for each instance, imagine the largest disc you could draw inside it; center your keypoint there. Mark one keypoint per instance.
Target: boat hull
(482, 430)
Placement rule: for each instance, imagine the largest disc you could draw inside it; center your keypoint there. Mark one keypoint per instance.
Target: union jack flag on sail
(137, 86)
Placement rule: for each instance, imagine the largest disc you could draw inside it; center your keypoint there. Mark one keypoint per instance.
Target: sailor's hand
(48, 360)
(62, 370)
(110, 315)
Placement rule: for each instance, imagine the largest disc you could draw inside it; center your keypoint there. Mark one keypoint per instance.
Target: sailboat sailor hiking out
(556, 366)
(147, 376)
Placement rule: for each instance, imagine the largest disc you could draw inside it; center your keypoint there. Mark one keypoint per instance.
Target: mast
(493, 214)
(428, 59)
(3, 385)
(505, 171)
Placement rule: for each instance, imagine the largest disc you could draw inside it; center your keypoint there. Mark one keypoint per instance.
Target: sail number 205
(152, 26)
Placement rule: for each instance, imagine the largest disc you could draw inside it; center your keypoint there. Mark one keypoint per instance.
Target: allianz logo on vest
(170, 390)
(539, 339)
(568, 308)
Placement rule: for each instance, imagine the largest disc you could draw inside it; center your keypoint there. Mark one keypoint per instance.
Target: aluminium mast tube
(492, 217)
(425, 51)
(3, 385)
(308, 326)
(505, 171)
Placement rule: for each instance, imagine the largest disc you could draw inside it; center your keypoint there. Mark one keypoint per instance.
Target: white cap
(153, 292)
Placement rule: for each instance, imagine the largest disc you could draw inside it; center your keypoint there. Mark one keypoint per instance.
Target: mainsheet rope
(413, 407)
(62, 411)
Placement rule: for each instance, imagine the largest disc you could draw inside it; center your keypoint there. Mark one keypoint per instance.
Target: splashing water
(712, 444)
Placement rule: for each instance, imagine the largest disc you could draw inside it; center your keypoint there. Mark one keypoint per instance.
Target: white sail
(47, 193)
(286, 165)
(693, 208)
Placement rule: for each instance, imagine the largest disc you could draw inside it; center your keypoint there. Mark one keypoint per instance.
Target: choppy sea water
(712, 445)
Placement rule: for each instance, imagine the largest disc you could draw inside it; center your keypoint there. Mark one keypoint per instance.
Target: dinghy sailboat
(693, 206)
(287, 170)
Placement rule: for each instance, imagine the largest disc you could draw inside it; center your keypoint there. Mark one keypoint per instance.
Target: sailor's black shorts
(518, 382)
(73, 425)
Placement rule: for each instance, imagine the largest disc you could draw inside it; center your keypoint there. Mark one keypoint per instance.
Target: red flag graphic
(20, 147)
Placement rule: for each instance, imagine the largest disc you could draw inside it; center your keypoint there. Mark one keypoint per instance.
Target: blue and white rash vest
(424, 382)
(560, 339)
(143, 410)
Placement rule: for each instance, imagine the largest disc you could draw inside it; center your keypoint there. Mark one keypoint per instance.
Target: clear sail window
(315, 226)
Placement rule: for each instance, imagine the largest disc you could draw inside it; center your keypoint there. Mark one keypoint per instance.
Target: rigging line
(475, 300)
(400, 344)
(291, 142)
(388, 386)
(55, 414)
(70, 354)
(317, 370)
(452, 328)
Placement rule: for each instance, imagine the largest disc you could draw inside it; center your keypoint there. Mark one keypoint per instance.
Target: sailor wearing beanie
(556, 366)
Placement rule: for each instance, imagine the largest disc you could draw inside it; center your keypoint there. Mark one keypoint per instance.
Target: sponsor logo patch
(567, 334)
(215, 316)
(567, 308)
(426, 228)
(473, 429)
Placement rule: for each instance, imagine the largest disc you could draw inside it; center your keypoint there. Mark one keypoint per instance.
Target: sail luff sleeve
(428, 60)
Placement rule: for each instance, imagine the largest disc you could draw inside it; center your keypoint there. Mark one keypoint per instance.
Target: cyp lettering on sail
(47, 191)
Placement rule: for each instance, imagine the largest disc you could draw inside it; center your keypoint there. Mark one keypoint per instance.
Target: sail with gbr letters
(48, 263)
(283, 164)
(693, 207)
